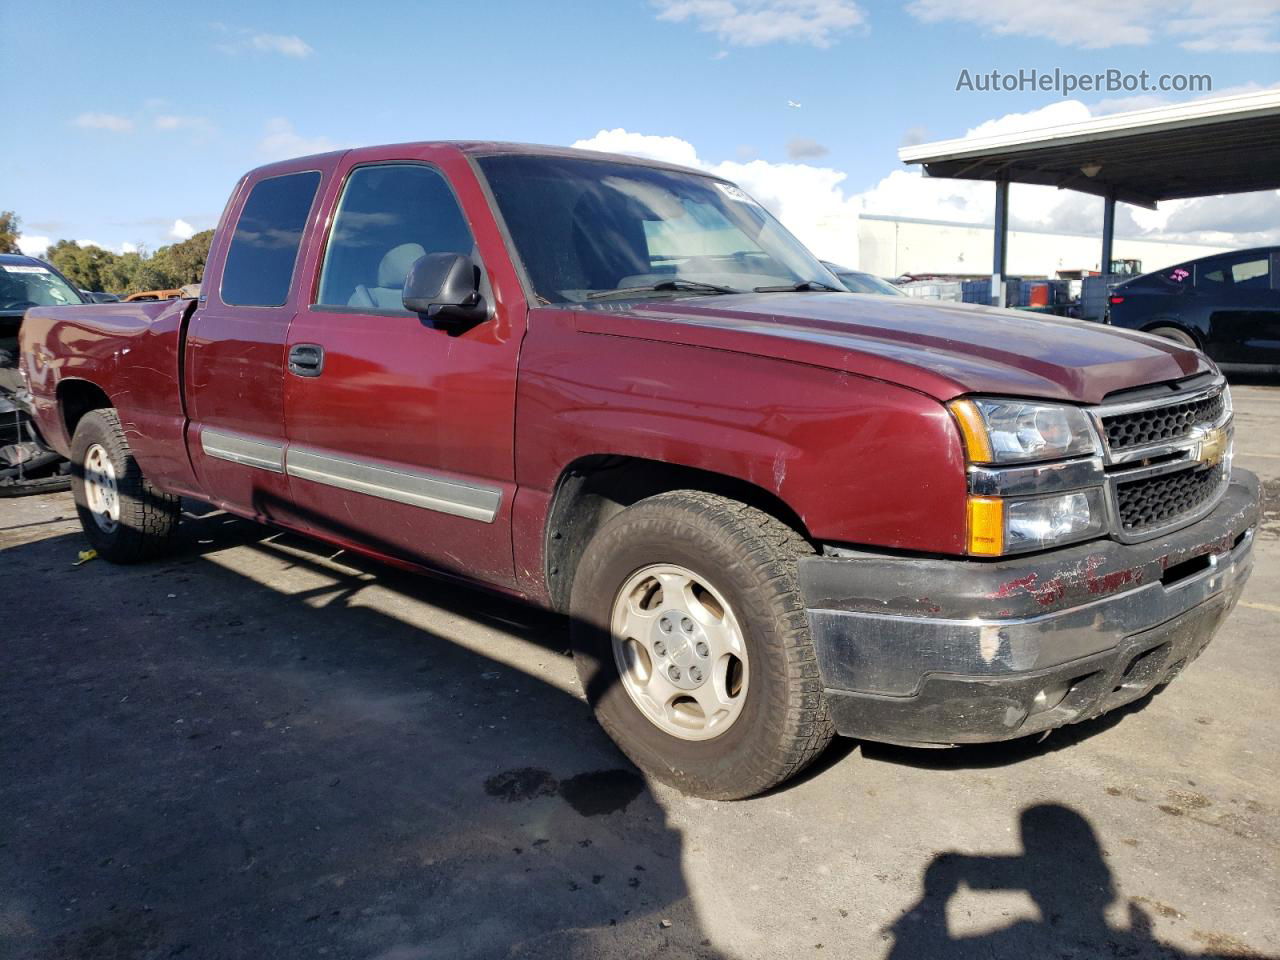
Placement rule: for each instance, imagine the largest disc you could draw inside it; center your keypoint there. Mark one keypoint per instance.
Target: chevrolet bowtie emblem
(1213, 447)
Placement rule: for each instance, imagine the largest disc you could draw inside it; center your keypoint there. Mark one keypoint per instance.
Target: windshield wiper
(694, 286)
(798, 287)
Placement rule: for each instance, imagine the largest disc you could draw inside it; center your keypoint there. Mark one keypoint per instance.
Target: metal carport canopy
(1197, 149)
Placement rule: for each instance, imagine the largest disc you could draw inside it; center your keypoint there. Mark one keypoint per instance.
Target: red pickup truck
(772, 510)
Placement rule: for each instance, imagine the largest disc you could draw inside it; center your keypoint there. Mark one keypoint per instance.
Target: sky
(134, 120)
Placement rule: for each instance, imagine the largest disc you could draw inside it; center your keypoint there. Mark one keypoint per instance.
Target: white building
(893, 246)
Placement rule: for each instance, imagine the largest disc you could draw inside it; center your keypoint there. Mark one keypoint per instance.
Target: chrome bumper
(951, 651)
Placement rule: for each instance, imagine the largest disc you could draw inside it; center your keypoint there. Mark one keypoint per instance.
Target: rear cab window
(264, 248)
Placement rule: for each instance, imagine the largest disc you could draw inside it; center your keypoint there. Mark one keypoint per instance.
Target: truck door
(401, 433)
(234, 354)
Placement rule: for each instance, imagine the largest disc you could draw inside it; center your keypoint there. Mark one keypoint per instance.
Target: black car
(27, 464)
(857, 281)
(28, 282)
(1228, 305)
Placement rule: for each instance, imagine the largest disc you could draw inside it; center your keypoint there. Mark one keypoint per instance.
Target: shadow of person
(1061, 869)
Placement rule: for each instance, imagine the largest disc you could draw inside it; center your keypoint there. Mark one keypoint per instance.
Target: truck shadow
(198, 760)
(1063, 872)
(981, 756)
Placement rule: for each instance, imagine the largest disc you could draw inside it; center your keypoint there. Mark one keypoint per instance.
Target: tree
(92, 268)
(184, 262)
(10, 231)
(86, 267)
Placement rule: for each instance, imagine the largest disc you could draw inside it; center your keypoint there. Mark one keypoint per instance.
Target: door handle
(306, 359)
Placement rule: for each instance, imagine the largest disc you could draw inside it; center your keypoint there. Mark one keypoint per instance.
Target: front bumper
(957, 651)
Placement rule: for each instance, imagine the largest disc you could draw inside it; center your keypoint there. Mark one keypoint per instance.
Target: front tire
(1176, 335)
(693, 647)
(125, 518)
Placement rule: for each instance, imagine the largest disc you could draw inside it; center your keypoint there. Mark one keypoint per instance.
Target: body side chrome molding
(238, 448)
(413, 487)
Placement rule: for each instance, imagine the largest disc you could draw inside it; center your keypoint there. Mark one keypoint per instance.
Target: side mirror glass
(445, 287)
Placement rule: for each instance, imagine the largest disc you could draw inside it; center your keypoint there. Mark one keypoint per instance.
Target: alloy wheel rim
(101, 491)
(680, 652)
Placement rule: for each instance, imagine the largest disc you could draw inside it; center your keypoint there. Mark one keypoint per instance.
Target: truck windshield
(585, 228)
(33, 285)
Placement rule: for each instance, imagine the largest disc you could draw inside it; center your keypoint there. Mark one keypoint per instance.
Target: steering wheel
(18, 304)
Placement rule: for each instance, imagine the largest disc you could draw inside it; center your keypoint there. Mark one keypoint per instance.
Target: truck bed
(132, 352)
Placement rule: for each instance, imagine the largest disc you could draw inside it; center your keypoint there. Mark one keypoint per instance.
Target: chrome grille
(1159, 473)
(1172, 422)
(1156, 501)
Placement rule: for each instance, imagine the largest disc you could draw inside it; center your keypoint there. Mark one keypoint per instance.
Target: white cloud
(753, 23)
(200, 126)
(809, 200)
(1055, 114)
(239, 40)
(104, 121)
(128, 247)
(282, 142)
(197, 128)
(665, 149)
(181, 230)
(1246, 26)
(32, 245)
(291, 45)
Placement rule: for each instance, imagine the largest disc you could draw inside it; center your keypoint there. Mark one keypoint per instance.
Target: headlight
(1013, 525)
(1016, 431)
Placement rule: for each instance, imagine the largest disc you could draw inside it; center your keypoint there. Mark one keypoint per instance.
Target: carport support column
(1108, 231)
(1001, 245)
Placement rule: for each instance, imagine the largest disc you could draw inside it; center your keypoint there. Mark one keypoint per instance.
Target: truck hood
(942, 349)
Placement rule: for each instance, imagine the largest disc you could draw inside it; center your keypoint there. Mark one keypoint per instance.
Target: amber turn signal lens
(986, 526)
(974, 430)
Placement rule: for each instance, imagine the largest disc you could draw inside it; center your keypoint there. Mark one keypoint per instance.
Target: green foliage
(10, 230)
(93, 268)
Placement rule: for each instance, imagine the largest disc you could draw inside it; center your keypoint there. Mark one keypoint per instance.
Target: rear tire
(125, 518)
(1176, 335)
(739, 566)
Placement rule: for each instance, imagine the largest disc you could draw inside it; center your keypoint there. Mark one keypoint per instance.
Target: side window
(1214, 274)
(388, 217)
(1252, 274)
(264, 248)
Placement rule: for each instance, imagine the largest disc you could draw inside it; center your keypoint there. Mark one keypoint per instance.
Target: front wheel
(693, 647)
(123, 515)
(1176, 335)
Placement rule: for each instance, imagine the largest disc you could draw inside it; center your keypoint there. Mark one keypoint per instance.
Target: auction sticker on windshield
(21, 268)
(734, 193)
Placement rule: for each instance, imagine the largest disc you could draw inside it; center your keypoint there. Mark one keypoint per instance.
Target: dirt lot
(262, 749)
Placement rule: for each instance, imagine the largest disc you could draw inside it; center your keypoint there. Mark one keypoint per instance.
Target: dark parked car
(1228, 305)
(856, 281)
(28, 282)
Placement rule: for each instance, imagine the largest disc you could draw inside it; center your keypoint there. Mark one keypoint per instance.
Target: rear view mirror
(445, 287)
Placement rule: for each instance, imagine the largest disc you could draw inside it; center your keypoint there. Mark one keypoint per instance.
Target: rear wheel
(1176, 335)
(693, 646)
(125, 518)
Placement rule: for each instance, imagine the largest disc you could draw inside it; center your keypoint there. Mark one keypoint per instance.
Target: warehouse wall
(892, 246)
